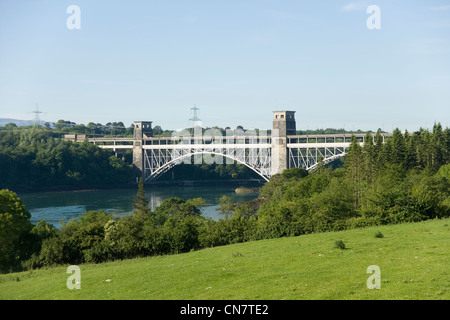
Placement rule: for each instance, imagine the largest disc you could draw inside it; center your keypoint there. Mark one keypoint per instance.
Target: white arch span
(172, 163)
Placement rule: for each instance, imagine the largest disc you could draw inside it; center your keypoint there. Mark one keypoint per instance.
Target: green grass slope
(413, 260)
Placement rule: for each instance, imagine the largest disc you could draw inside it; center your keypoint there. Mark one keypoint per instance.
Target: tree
(226, 206)
(61, 124)
(444, 171)
(15, 226)
(438, 145)
(10, 125)
(369, 158)
(177, 209)
(411, 158)
(140, 203)
(377, 149)
(446, 144)
(398, 148)
(354, 169)
(94, 128)
(157, 130)
(296, 173)
(119, 127)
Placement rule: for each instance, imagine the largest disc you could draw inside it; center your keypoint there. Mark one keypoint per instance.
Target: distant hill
(21, 123)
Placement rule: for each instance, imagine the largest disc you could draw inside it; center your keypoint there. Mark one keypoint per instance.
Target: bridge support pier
(138, 159)
(282, 126)
(142, 130)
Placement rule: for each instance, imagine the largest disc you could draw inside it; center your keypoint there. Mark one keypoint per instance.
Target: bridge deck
(293, 141)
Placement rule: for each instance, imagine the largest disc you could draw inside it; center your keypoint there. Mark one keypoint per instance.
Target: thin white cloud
(354, 6)
(349, 7)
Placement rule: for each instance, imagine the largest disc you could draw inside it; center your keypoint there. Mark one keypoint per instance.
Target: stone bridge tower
(142, 130)
(283, 126)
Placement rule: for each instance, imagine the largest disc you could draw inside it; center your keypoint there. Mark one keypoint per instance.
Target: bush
(379, 235)
(98, 252)
(339, 244)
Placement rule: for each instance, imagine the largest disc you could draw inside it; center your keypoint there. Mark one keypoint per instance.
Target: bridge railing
(333, 138)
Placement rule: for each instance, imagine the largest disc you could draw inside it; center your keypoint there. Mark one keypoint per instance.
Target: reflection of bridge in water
(266, 154)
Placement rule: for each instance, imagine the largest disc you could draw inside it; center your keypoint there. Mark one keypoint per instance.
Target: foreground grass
(413, 260)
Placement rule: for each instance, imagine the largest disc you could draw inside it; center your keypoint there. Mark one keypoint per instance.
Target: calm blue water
(54, 206)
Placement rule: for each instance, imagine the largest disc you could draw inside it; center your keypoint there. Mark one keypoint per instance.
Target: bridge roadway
(293, 141)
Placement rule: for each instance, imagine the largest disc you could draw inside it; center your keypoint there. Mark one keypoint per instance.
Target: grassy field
(413, 260)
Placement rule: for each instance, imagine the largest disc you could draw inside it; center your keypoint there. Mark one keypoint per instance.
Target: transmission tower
(196, 121)
(37, 120)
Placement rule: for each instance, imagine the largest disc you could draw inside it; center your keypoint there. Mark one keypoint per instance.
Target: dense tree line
(110, 128)
(331, 131)
(35, 158)
(405, 179)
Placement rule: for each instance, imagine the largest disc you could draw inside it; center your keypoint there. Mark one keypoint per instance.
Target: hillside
(413, 259)
(21, 123)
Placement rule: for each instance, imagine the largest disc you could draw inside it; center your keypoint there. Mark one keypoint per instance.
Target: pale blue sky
(237, 60)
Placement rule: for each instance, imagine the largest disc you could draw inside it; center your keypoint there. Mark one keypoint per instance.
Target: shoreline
(150, 185)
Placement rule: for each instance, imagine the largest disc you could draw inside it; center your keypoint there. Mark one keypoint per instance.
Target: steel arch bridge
(160, 155)
(257, 157)
(265, 154)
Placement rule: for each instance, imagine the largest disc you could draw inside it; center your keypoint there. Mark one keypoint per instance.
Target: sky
(236, 60)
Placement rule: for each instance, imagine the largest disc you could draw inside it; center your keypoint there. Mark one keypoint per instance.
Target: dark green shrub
(379, 235)
(339, 244)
